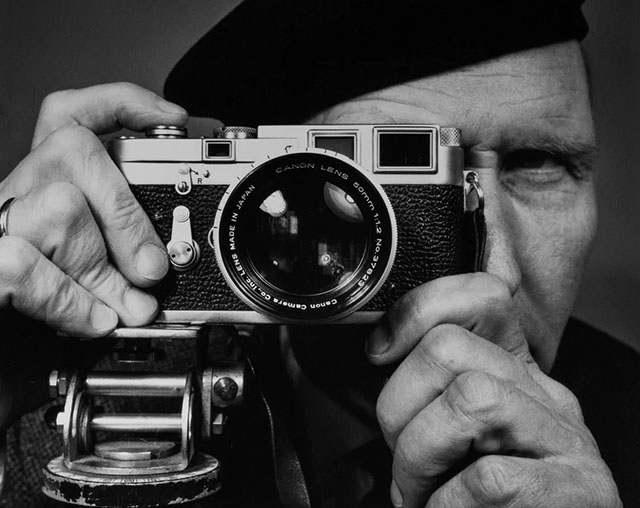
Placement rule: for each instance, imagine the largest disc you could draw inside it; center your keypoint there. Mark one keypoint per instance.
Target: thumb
(105, 108)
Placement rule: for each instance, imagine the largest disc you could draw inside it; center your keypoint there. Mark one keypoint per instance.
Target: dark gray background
(58, 44)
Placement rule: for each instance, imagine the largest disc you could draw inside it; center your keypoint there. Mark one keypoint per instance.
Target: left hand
(470, 417)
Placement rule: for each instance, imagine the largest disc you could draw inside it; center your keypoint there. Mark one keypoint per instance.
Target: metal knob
(182, 255)
(226, 388)
(166, 132)
(236, 132)
(52, 417)
(58, 381)
(450, 136)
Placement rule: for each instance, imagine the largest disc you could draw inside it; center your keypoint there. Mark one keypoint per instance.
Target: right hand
(79, 246)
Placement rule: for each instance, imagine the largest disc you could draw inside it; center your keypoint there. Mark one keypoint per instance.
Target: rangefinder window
(410, 150)
(218, 150)
(345, 145)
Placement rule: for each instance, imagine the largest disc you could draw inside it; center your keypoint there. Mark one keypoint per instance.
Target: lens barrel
(305, 237)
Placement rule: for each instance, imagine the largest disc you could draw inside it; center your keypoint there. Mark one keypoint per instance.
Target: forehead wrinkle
(546, 99)
(491, 101)
(399, 108)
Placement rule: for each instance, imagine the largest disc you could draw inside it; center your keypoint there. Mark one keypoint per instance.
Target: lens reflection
(307, 237)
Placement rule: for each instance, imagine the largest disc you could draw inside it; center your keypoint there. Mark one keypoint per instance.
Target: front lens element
(315, 245)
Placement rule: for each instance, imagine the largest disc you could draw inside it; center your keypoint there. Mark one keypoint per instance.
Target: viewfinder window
(405, 150)
(218, 149)
(345, 145)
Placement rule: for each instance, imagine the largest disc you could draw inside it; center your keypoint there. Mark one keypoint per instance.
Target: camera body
(299, 223)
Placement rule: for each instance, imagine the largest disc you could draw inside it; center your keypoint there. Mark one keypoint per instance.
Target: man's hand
(79, 244)
(471, 419)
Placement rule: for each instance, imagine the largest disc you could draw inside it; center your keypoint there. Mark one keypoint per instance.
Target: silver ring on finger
(4, 215)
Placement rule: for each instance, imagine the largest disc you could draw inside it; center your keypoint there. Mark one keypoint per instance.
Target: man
(469, 412)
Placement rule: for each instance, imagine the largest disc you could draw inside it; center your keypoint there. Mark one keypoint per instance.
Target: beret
(280, 61)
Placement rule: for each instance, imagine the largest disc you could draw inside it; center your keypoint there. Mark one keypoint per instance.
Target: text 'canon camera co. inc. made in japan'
(299, 224)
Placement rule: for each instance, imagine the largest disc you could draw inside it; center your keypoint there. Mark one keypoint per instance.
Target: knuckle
(73, 144)
(566, 399)
(406, 309)
(477, 395)
(442, 345)
(407, 460)
(580, 441)
(571, 405)
(65, 303)
(125, 88)
(124, 210)
(492, 287)
(55, 103)
(388, 420)
(16, 258)
(106, 279)
(496, 481)
(62, 203)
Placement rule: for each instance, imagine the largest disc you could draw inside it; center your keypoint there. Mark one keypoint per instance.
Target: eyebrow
(566, 144)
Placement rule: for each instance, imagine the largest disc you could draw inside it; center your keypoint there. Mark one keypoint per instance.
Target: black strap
(479, 229)
(269, 382)
(475, 224)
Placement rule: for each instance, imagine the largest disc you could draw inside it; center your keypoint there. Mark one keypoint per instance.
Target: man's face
(528, 132)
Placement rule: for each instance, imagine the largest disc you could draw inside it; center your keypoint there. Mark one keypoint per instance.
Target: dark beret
(280, 61)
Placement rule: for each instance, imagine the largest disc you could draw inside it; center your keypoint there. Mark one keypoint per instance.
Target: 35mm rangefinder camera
(299, 223)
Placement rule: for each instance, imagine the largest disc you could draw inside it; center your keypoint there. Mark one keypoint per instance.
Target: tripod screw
(226, 388)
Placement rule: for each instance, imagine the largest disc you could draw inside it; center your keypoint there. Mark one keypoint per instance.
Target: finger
(478, 414)
(56, 219)
(75, 155)
(479, 302)
(105, 108)
(35, 287)
(448, 351)
(499, 481)
(445, 353)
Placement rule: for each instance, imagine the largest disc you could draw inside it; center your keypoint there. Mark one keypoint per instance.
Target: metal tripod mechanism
(144, 459)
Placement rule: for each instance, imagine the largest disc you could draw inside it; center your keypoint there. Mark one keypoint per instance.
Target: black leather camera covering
(204, 287)
(431, 243)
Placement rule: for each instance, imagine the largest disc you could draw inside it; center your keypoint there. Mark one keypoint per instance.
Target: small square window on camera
(405, 151)
(218, 150)
(342, 144)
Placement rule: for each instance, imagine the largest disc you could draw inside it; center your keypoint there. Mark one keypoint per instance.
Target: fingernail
(396, 496)
(103, 318)
(151, 262)
(170, 107)
(378, 342)
(140, 305)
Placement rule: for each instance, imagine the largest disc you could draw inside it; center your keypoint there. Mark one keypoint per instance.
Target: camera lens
(309, 236)
(305, 237)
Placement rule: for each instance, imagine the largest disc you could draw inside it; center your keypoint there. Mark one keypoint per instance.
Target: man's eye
(529, 159)
(536, 167)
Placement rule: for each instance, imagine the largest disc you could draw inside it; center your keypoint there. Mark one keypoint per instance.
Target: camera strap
(272, 388)
(475, 220)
